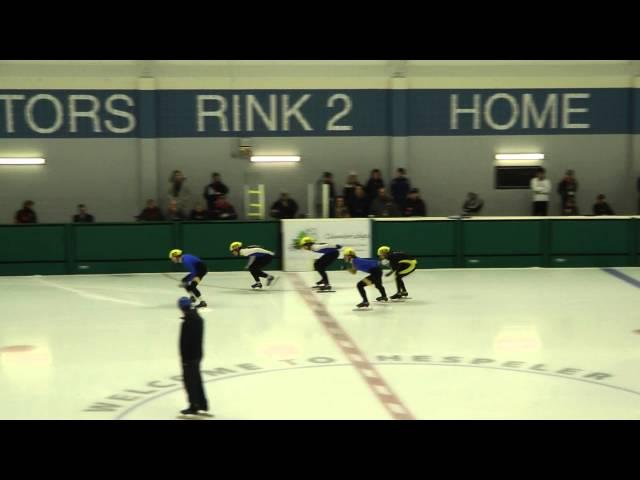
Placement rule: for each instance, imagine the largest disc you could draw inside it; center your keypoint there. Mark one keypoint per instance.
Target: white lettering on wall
(488, 112)
(8, 110)
(131, 118)
(57, 106)
(271, 121)
(567, 110)
(455, 110)
(549, 115)
(294, 111)
(92, 113)
(201, 113)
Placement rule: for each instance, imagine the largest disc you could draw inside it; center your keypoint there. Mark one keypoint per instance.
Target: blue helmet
(184, 303)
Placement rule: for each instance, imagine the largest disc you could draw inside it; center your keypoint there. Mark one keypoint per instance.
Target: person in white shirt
(258, 259)
(541, 187)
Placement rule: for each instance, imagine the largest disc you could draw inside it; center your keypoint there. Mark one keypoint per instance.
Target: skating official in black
(191, 334)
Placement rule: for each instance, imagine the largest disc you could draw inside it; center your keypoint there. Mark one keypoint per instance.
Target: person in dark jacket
(191, 335)
(400, 186)
(83, 216)
(214, 190)
(359, 206)
(401, 264)
(601, 207)
(349, 190)
(151, 213)
(414, 205)
(374, 184)
(567, 188)
(383, 206)
(223, 210)
(472, 205)
(284, 207)
(26, 214)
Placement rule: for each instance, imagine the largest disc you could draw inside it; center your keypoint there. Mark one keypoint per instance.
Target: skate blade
(325, 291)
(275, 280)
(363, 309)
(200, 416)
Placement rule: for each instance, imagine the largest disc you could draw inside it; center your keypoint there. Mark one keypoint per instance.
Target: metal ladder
(254, 202)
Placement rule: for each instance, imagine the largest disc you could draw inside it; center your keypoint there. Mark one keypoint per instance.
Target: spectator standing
(540, 187)
(570, 207)
(178, 190)
(214, 190)
(360, 203)
(326, 179)
(400, 186)
(567, 188)
(349, 190)
(374, 184)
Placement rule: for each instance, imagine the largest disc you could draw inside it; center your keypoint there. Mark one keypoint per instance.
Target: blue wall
(316, 113)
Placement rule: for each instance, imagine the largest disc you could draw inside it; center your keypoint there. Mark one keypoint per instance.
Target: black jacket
(372, 187)
(213, 191)
(359, 207)
(400, 187)
(602, 209)
(26, 215)
(415, 208)
(88, 218)
(280, 210)
(191, 333)
(395, 257)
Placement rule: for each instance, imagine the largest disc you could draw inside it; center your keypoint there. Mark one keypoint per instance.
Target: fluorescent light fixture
(519, 156)
(22, 161)
(275, 158)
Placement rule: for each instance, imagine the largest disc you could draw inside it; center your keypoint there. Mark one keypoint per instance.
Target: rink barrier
(438, 242)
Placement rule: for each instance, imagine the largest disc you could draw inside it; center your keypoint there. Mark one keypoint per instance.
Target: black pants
(375, 278)
(540, 208)
(407, 267)
(192, 288)
(323, 262)
(193, 384)
(258, 264)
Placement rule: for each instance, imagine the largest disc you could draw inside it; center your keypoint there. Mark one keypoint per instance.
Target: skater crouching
(401, 264)
(197, 269)
(370, 266)
(330, 253)
(258, 259)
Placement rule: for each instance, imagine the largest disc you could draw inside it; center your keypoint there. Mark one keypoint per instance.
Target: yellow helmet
(175, 253)
(306, 240)
(348, 251)
(235, 245)
(383, 250)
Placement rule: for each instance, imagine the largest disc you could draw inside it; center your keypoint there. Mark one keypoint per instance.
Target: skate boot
(270, 279)
(202, 304)
(256, 285)
(364, 304)
(324, 287)
(193, 299)
(405, 293)
(382, 299)
(396, 296)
